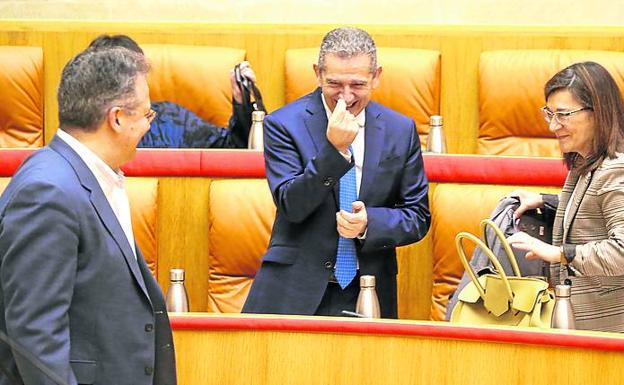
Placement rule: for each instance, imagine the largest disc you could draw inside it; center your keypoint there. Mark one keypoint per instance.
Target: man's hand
(535, 248)
(351, 225)
(341, 127)
(247, 72)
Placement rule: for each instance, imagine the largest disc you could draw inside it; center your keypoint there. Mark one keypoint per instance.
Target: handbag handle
(462, 257)
(248, 88)
(501, 237)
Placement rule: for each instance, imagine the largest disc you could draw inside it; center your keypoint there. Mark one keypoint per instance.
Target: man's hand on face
(341, 127)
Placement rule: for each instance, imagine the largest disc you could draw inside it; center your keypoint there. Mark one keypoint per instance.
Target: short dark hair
(93, 82)
(111, 41)
(593, 86)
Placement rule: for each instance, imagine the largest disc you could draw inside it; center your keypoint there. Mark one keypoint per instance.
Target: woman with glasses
(585, 111)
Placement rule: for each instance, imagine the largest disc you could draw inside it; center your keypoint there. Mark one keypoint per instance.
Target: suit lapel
(576, 198)
(316, 125)
(101, 205)
(374, 133)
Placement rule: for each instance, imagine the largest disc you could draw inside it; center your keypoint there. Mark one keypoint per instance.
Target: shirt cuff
(569, 252)
(346, 155)
(363, 236)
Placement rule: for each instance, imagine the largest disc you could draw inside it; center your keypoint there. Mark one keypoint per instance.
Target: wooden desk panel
(244, 349)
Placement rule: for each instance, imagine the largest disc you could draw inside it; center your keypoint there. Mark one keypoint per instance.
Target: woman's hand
(535, 248)
(528, 200)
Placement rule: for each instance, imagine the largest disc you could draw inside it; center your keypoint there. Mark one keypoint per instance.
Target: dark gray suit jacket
(71, 291)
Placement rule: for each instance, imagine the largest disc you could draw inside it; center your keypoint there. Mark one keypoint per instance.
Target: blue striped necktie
(346, 260)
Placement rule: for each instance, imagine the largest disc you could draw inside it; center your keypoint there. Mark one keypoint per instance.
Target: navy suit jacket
(303, 170)
(71, 291)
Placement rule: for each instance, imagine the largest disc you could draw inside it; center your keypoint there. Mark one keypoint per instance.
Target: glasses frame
(561, 117)
(150, 115)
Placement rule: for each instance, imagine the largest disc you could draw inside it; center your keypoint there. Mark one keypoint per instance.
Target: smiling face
(348, 78)
(577, 134)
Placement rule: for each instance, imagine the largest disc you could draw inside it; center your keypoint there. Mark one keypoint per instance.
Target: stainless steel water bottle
(563, 313)
(367, 303)
(256, 141)
(436, 142)
(177, 298)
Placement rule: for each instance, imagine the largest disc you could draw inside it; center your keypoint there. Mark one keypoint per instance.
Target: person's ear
(376, 77)
(317, 71)
(112, 117)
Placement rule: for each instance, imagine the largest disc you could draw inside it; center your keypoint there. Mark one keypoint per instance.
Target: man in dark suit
(75, 290)
(347, 178)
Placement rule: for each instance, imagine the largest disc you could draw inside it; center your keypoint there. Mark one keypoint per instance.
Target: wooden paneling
(183, 235)
(303, 357)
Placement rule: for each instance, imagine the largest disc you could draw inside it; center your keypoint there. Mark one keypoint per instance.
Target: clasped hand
(352, 224)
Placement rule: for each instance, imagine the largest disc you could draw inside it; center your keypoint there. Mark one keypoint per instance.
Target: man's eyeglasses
(561, 117)
(150, 115)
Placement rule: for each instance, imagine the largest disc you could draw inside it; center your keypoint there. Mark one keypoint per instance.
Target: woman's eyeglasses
(561, 117)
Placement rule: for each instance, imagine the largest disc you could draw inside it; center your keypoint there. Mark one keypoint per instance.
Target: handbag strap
(473, 276)
(501, 237)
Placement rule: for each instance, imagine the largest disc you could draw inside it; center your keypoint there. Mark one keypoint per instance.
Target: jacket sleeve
(299, 189)
(408, 221)
(199, 133)
(239, 125)
(606, 257)
(39, 246)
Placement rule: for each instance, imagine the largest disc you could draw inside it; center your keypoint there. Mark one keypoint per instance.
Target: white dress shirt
(358, 144)
(111, 182)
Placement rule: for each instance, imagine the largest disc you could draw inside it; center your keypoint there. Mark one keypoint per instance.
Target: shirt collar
(100, 169)
(360, 118)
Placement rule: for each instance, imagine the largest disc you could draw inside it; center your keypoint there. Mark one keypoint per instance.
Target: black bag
(538, 224)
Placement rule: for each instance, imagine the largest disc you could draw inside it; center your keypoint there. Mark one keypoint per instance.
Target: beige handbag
(498, 299)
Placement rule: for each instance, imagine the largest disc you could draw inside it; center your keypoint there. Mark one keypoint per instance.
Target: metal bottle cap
(436, 120)
(367, 281)
(257, 116)
(562, 290)
(176, 275)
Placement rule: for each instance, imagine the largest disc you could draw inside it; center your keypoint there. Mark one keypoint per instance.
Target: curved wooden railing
(262, 349)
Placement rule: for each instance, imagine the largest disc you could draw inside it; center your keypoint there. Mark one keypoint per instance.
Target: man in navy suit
(75, 290)
(320, 150)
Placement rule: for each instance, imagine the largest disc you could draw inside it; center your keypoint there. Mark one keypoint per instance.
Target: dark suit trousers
(335, 299)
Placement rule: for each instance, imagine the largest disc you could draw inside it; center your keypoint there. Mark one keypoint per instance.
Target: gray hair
(347, 42)
(96, 80)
